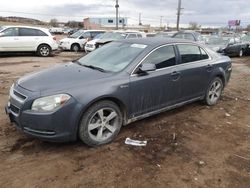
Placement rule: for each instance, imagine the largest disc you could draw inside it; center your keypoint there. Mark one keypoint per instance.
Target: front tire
(75, 48)
(44, 50)
(214, 92)
(100, 124)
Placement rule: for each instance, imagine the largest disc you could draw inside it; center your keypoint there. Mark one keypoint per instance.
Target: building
(104, 23)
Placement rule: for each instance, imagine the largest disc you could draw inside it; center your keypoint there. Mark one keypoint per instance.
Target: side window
(189, 36)
(191, 53)
(31, 32)
(139, 35)
(10, 32)
(162, 57)
(86, 35)
(40, 33)
(131, 36)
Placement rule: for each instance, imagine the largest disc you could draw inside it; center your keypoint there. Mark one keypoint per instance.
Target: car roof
(46, 30)
(156, 41)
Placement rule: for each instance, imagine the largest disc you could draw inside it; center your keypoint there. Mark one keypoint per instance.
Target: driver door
(157, 89)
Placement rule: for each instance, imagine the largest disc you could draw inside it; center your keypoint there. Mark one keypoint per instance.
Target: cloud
(204, 12)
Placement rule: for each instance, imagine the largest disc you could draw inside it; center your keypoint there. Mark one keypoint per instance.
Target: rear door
(9, 40)
(30, 38)
(155, 89)
(194, 67)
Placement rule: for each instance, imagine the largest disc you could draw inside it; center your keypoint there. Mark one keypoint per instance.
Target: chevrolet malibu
(93, 97)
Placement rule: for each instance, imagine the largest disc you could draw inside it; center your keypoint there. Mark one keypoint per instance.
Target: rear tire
(44, 50)
(213, 92)
(100, 124)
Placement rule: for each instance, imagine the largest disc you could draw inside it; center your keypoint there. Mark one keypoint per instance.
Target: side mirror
(147, 67)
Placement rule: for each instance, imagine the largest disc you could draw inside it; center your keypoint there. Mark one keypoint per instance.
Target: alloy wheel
(214, 92)
(103, 124)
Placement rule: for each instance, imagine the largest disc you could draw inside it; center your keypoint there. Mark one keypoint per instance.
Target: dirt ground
(193, 146)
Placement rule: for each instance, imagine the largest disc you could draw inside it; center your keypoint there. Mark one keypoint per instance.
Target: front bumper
(64, 46)
(58, 126)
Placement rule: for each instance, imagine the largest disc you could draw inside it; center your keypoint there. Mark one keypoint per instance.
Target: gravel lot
(211, 146)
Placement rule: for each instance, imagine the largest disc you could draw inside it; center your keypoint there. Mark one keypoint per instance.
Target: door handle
(209, 68)
(175, 75)
(16, 38)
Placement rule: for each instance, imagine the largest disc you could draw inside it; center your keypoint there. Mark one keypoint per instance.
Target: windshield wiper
(94, 67)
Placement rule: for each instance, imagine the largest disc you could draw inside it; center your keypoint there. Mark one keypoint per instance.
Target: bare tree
(54, 22)
(194, 25)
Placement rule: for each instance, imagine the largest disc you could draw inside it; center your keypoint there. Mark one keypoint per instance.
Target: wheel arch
(113, 99)
(43, 44)
(75, 43)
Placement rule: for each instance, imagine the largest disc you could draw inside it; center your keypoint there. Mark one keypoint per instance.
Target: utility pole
(116, 7)
(140, 19)
(161, 21)
(178, 14)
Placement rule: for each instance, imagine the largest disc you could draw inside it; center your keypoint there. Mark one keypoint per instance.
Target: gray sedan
(124, 81)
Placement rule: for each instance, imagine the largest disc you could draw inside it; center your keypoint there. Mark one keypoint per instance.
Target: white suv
(27, 39)
(77, 40)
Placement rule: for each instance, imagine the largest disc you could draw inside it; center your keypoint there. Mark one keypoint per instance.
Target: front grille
(19, 95)
(14, 109)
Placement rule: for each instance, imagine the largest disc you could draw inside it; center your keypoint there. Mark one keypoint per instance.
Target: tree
(53, 22)
(194, 25)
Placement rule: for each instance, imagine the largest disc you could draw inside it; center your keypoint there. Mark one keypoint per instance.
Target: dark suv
(124, 81)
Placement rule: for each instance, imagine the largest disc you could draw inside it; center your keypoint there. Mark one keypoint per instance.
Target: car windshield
(218, 40)
(115, 36)
(112, 57)
(76, 34)
(246, 38)
(98, 36)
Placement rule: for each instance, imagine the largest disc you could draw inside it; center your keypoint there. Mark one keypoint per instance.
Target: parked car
(116, 35)
(77, 41)
(150, 34)
(72, 31)
(91, 45)
(166, 34)
(122, 82)
(231, 46)
(189, 35)
(56, 30)
(27, 39)
(246, 39)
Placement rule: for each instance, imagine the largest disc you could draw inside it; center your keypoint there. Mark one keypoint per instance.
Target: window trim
(177, 56)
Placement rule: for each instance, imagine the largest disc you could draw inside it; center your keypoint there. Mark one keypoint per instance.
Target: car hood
(103, 41)
(60, 77)
(93, 41)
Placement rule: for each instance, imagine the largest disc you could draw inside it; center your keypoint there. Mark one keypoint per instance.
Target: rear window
(31, 32)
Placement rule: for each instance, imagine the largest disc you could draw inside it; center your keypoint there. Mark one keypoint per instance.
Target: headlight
(50, 103)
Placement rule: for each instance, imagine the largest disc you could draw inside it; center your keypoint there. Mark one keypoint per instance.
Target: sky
(205, 12)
